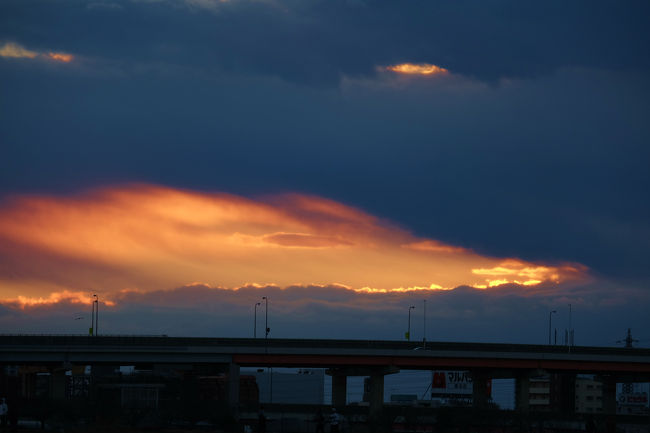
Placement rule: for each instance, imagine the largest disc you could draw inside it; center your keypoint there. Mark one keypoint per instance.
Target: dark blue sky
(534, 145)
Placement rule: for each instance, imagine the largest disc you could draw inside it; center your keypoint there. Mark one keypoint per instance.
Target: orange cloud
(16, 51)
(54, 298)
(145, 237)
(426, 69)
(304, 240)
(436, 246)
(60, 57)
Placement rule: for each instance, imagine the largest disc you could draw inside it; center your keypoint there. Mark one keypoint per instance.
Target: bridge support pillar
(480, 389)
(58, 382)
(563, 392)
(233, 388)
(522, 393)
(339, 390)
(609, 402)
(375, 395)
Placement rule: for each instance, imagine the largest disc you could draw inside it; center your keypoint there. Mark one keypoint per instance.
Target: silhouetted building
(589, 395)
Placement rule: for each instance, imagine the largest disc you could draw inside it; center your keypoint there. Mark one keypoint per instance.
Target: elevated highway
(129, 350)
(342, 358)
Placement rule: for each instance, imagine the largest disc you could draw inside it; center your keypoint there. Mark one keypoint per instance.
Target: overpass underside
(220, 360)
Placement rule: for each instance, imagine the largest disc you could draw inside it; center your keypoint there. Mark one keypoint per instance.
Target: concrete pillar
(609, 395)
(522, 393)
(609, 403)
(480, 389)
(376, 395)
(563, 393)
(233, 387)
(58, 383)
(339, 390)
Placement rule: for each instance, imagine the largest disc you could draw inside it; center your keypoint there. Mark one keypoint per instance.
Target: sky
(485, 162)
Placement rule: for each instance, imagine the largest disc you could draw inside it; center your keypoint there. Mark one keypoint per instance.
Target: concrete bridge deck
(126, 350)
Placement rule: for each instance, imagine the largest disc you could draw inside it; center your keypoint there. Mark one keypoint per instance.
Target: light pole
(95, 325)
(408, 333)
(266, 318)
(424, 325)
(570, 328)
(549, 325)
(570, 336)
(255, 320)
(92, 318)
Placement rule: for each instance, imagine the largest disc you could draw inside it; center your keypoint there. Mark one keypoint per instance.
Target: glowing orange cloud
(417, 69)
(16, 51)
(54, 298)
(145, 238)
(60, 57)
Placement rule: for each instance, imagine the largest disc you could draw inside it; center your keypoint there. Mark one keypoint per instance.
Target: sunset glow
(61, 57)
(16, 51)
(54, 298)
(148, 237)
(13, 50)
(417, 69)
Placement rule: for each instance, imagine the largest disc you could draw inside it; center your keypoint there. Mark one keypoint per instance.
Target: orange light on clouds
(54, 298)
(145, 238)
(60, 57)
(16, 51)
(417, 69)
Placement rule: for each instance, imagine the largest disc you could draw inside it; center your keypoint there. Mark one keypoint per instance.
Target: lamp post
(424, 323)
(92, 318)
(266, 317)
(570, 335)
(570, 327)
(549, 325)
(408, 332)
(255, 320)
(96, 314)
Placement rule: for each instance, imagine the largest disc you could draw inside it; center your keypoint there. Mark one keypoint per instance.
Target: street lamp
(549, 325)
(255, 321)
(570, 329)
(96, 314)
(92, 318)
(408, 333)
(424, 323)
(266, 317)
